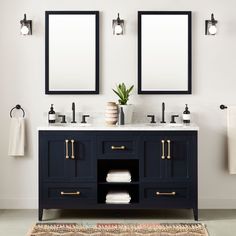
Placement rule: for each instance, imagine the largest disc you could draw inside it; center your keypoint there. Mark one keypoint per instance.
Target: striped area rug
(60, 229)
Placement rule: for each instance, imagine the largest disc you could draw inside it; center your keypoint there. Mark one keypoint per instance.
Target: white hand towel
(17, 137)
(117, 202)
(119, 172)
(231, 135)
(118, 179)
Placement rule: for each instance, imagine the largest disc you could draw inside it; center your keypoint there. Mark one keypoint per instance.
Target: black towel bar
(17, 107)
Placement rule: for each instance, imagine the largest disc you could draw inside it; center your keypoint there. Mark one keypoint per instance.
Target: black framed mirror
(164, 52)
(72, 52)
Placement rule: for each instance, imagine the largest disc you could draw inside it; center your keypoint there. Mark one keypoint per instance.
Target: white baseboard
(32, 203)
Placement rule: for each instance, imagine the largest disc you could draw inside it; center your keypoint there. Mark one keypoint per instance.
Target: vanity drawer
(117, 146)
(164, 194)
(69, 194)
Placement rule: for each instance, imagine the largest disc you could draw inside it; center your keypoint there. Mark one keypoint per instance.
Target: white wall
(22, 81)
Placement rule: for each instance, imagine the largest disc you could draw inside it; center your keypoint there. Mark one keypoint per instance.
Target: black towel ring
(17, 107)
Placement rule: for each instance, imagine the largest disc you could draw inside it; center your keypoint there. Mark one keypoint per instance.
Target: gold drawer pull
(166, 194)
(73, 193)
(118, 147)
(168, 153)
(163, 149)
(67, 152)
(72, 149)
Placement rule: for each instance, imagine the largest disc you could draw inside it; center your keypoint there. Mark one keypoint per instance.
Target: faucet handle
(173, 118)
(152, 119)
(63, 118)
(84, 118)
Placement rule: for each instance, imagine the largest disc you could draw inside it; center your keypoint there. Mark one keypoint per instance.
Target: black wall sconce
(118, 26)
(210, 26)
(26, 26)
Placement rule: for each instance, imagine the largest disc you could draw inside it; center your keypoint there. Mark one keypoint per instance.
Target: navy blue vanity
(73, 163)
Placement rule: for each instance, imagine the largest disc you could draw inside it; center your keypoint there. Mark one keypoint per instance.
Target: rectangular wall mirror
(164, 52)
(72, 52)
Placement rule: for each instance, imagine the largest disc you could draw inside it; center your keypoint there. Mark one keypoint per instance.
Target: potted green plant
(123, 93)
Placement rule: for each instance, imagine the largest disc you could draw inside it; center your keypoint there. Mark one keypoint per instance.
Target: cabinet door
(180, 155)
(152, 163)
(66, 156)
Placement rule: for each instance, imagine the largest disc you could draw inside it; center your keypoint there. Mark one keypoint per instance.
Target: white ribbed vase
(111, 113)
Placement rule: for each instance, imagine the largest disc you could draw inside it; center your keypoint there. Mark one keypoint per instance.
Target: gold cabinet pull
(70, 193)
(67, 149)
(72, 149)
(165, 193)
(168, 153)
(118, 147)
(163, 149)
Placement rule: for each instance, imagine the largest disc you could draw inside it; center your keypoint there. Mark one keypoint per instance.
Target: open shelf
(104, 166)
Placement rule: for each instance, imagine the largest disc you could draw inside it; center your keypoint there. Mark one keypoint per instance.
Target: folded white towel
(118, 194)
(118, 179)
(119, 172)
(231, 135)
(17, 137)
(117, 202)
(118, 176)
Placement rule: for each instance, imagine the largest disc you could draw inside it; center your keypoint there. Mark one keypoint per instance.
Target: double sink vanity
(75, 159)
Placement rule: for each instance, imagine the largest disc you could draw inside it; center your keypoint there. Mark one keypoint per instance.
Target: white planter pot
(128, 112)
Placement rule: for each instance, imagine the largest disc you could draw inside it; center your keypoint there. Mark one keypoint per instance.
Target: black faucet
(163, 113)
(73, 113)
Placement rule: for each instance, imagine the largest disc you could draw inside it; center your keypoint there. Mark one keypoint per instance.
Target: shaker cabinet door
(181, 156)
(153, 162)
(66, 156)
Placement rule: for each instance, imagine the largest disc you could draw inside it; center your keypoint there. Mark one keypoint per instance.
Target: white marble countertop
(133, 127)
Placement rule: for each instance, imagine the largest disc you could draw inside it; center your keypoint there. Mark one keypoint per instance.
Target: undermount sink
(70, 124)
(175, 124)
(165, 124)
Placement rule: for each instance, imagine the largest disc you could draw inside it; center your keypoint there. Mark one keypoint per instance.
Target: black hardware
(173, 118)
(84, 118)
(152, 118)
(163, 113)
(28, 24)
(208, 23)
(222, 107)
(18, 107)
(73, 113)
(63, 118)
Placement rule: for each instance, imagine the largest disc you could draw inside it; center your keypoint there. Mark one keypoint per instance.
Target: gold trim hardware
(166, 194)
(118, 147)
(72, 193)
(168, 153)
(67, 151)
(72, 149)
(163, 149)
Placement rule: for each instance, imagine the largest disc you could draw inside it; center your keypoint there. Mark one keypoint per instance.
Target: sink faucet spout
(163, 113)
(73, 113)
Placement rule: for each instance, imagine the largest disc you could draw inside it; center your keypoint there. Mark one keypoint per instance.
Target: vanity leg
(40, 214)
(195, 213)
